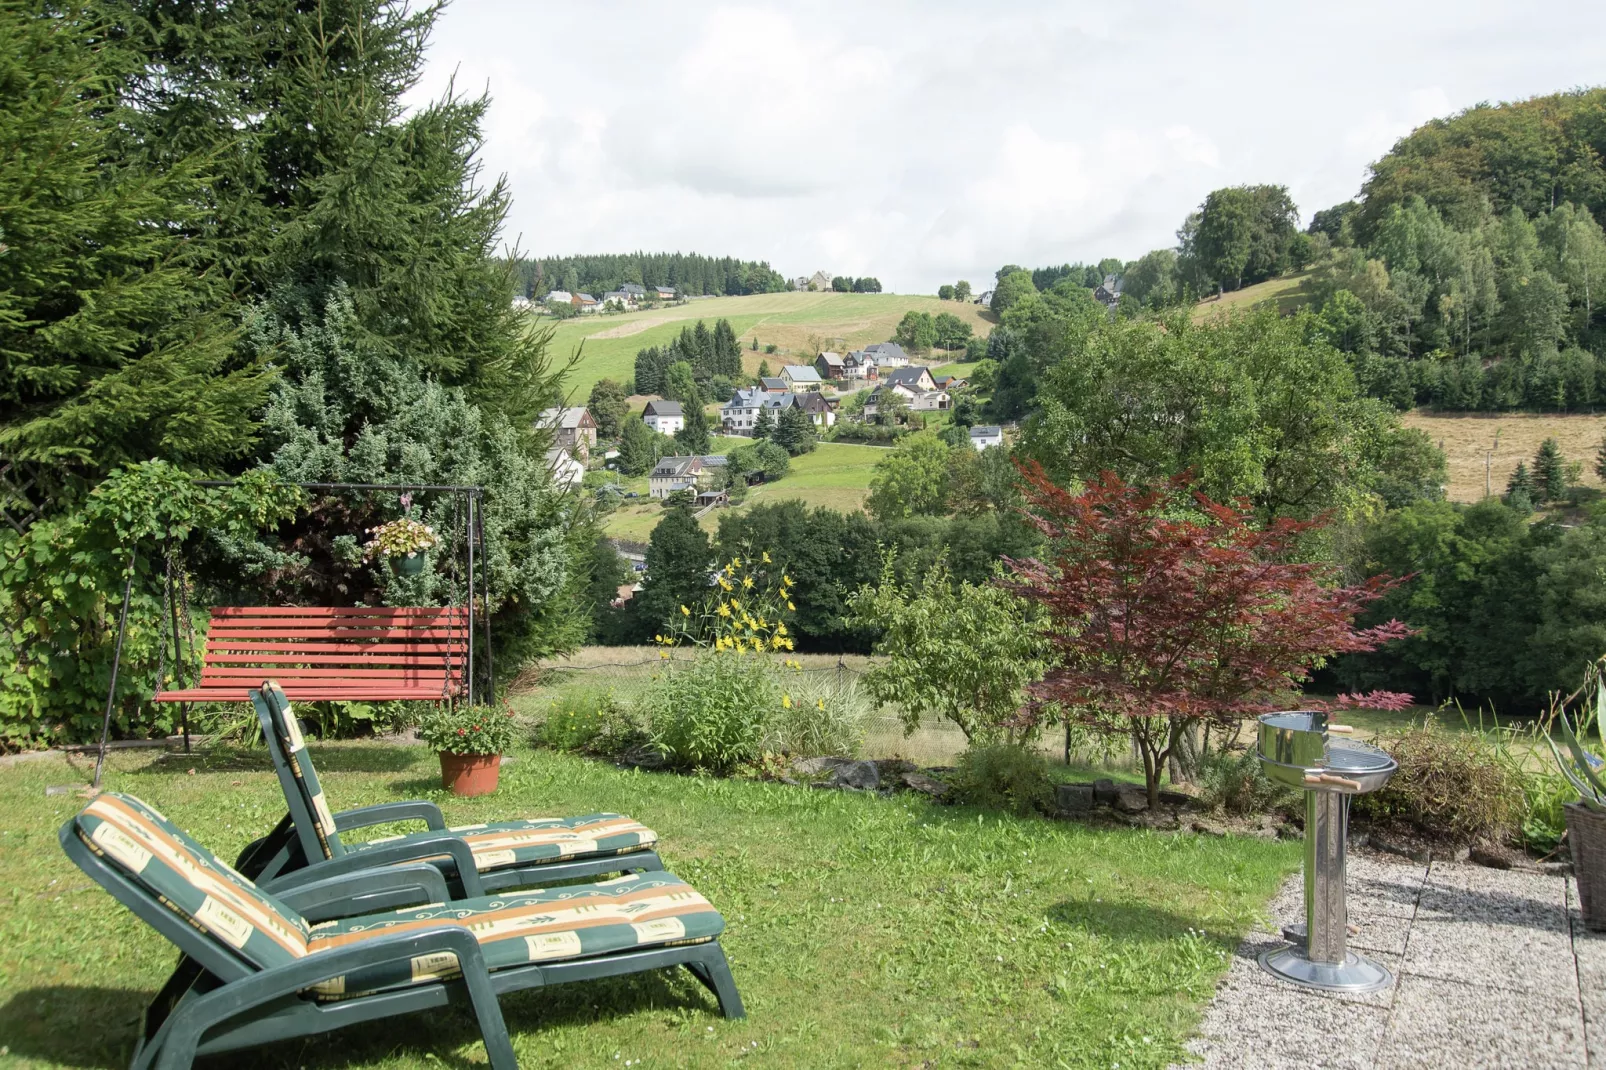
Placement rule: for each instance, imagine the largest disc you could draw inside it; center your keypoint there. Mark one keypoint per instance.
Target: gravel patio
(1494, 969)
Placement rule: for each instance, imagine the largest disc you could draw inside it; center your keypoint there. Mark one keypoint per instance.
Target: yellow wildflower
(747, 581)
(735, 604)
(724, 610)
(780, 629)
(736, 562)
(663, 655)
(684, 612)
(766, 557)
(819, 703)
(786, 581)
(790, 606)
(786, 700)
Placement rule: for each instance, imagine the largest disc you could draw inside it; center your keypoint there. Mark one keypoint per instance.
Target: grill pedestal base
(1357, 974)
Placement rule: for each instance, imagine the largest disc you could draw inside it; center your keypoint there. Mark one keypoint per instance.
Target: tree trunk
(1185, 751)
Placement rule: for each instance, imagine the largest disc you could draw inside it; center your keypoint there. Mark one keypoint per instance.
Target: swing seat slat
(332, 654)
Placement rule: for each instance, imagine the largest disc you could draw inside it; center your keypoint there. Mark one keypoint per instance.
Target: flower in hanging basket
(405, 537)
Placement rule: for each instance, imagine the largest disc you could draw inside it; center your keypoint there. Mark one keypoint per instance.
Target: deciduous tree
(1168, 608)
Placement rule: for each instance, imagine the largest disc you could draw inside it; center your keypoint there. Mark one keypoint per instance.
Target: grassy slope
(836, 474)
(1466, 438)
(1288, 292)
(792, 321)
(862, 931)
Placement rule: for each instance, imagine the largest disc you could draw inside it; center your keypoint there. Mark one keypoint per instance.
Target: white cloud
(941, 140)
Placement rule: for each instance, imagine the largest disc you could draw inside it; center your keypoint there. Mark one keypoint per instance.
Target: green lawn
(863, 931)
(1288, 293)
(794, 322)
(836, 474)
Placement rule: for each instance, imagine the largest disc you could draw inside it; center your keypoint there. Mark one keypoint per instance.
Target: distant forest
(689, 273)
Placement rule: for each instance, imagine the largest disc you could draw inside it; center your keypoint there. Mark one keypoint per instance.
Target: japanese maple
(1167, 608)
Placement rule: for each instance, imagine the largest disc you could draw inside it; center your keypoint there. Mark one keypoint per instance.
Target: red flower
(461, 732)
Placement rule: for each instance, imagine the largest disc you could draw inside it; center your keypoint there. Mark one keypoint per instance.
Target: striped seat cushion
(550, 925)
(192, 881)
(540, 839)
(288, 731)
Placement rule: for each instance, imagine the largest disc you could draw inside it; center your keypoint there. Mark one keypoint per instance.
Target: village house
(618, 299)
(635, 290)
(820, 280)
(664, 417)
(916, 379)
(521, 303)
(858, 365)
(559, 297)
(741, 411)
(586, 303)
(1108, 292)
(872, 404)
(664, 293)
(821, 409)
(676, 473)
(573, 429)
(800, 377)
(566, 471)
(774, 385)
(930, 401)
(829, 365)
(950, 382)
(985, 437)
(887, 355)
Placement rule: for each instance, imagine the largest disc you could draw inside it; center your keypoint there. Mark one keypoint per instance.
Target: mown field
(793, 322)
(1466, 438)
(835, 474)
(1287, 293)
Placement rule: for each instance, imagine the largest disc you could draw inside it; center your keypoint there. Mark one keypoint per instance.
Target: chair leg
(715, 974)
(493, 1030)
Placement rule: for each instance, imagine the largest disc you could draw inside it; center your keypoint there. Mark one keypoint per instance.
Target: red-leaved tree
(1168, 608)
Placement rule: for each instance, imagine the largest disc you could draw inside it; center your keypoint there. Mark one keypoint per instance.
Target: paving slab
(1488, 965)
(1449, 1024)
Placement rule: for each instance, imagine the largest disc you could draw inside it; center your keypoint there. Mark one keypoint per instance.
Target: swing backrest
(333, 654)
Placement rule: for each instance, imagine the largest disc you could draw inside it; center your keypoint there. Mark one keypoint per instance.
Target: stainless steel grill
(1299, 749)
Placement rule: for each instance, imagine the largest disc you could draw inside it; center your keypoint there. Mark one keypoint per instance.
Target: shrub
(818, 717)
(468, 729)
(714, 711)
(1456, 785)
(1004, 776)
(590, 719)
(1236, 784)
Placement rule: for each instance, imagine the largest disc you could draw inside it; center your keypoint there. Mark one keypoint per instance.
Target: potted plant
(1586, 771)
(402, 542)
(471, 741)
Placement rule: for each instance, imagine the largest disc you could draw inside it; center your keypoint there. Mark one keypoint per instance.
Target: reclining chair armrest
(336, 897)
(191, 1021)
(391, 854)
(412, 810)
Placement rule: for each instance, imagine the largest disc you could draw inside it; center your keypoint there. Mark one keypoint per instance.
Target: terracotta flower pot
(470, 774)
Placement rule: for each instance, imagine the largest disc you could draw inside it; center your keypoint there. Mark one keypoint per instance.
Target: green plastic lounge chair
(258, 967)
(477, 859)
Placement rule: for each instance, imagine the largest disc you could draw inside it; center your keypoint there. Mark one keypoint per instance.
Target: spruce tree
(764, 373)
(794, 431)
(649, 371)
(1520, 488)
(678, 559)
(764, 423)
(114, 343)
(692, 438)
(1549, 472)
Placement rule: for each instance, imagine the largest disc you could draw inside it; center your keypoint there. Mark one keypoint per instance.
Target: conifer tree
(692, 438)
(1549, 473)
(1520, 491)
(639, 447)
(794, 431)
(764, 422)
(113, 343)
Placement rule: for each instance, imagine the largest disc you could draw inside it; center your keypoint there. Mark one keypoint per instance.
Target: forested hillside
(690, 274)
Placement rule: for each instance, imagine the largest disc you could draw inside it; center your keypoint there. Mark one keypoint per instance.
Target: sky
(926, 142)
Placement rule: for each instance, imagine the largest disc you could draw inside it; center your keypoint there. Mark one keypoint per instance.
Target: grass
(1466, 438)
(797, 323)
(836, 474)
(1287, 293)
(862, 930)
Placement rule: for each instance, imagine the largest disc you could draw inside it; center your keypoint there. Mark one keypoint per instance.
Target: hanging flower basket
(403, 543)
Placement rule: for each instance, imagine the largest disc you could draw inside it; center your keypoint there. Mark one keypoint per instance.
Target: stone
(1104, 792)
(925, 785)
(1175, 798)
(1453, 854)
(1208, 827)
(1132, 800)
(812, 767)
(858, 776)
(893, 768)
(1073, 798)
(643, 757)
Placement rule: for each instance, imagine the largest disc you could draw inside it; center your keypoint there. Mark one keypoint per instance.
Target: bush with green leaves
(1237, 784)
(714, 711)
(1004, 776)
(819, 715)
(468, 729)
(591, 719)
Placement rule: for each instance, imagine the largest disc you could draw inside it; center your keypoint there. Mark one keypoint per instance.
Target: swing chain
(161, 629)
